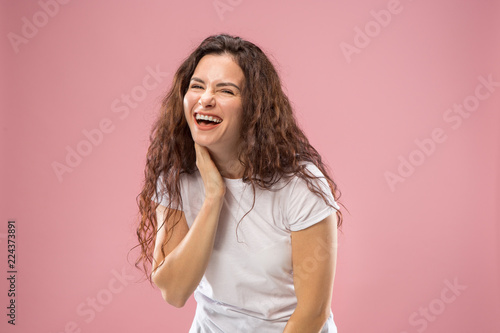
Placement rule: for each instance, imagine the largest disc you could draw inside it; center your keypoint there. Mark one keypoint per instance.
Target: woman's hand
(212, 179)
(189, 248)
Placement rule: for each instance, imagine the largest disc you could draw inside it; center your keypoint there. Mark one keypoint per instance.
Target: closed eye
(228, 92)
(196, 86)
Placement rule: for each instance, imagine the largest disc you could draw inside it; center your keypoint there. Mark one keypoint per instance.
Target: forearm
(304, 321)
(184, 267)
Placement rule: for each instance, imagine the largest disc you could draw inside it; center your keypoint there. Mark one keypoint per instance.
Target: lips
(204, 117)
(206, 121)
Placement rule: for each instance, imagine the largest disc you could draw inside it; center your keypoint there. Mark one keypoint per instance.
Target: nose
(207, 100)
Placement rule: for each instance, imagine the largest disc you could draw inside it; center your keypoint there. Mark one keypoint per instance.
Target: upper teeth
(209, 118)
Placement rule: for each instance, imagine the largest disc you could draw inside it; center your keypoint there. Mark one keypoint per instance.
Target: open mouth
(204, 120)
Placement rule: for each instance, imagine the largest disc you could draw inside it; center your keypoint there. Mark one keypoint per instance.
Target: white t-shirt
(248, 283)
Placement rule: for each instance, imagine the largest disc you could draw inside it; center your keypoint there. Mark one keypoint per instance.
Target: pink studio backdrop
(402, 98)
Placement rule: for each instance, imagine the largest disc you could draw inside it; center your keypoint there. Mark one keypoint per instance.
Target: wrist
(214, 199)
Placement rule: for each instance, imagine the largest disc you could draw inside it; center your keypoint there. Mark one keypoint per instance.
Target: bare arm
(189, 249)
(314, 254)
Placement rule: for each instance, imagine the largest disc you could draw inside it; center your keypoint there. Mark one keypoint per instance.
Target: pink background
(402, 247)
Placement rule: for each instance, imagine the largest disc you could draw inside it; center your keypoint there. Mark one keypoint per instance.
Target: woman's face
(212, 103)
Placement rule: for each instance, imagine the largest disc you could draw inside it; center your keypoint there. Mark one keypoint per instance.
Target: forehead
(215, 67)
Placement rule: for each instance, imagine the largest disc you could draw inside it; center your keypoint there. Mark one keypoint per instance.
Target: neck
(228, 164)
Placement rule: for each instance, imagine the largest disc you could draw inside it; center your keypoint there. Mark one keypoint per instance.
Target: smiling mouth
(207, 120)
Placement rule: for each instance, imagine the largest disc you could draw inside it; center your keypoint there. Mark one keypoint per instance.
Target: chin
(204, 143)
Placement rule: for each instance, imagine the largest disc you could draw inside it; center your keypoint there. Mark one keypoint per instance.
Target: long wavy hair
(272, 144)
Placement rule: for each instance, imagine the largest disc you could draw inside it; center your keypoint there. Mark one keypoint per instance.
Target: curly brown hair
(272, 144)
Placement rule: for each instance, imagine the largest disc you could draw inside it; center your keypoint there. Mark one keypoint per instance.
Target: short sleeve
(304, 208)
(160, 196)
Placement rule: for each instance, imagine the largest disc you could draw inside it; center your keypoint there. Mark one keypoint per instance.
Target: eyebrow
(221, 84)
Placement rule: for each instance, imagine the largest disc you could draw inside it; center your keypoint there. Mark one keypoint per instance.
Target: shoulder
(309, 199)
(313, 169)
(312, 186)
(311, 177)
(186, 181)
(290, 184)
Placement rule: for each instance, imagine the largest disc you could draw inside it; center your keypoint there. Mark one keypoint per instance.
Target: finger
(202, 152)
(202, 157)
(199, 153)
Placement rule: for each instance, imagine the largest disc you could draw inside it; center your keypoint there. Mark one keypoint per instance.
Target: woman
(243, 211)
